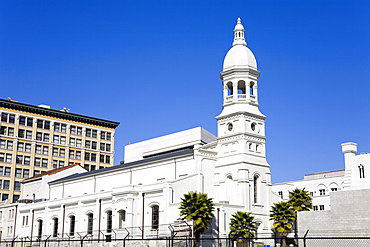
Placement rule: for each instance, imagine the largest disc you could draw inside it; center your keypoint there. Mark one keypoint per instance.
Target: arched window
(121, 218)
(362, 171)
(55, 227)
(229, 187)
(90, 217)
(39, 229)
(72, 225)
(155, 217)
(109, 221)
(255, 188)
(251, 85)
(229, 88)
(241, 87)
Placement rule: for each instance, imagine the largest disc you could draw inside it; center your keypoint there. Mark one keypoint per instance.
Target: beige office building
(34, 139)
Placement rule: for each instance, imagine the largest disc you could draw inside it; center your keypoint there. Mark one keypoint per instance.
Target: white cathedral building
(145, 191)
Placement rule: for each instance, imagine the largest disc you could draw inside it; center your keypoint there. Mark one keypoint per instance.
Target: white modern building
(354, 176)
(145, 191)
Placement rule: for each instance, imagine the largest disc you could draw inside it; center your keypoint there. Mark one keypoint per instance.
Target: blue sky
(154, 67)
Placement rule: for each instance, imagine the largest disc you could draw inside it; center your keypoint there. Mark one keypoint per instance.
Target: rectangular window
(1, 172)
(36, 172)
(27, 148)
(63, 140)
(46, 138)
(37, 162)
(2, 144)
(62, 152)
(27, 160)
(55, 151)
(38, 136)
(41, 124)
(334, 189)
(7, 171)
(94, 134)
(2, 157)
(72, 142)
(19, 159)
(322, 192)
(15, 198)
(21, 133)
(6, 144)
(322, 207)
(17, 186)
(10, 131)
(72, 130)
(63, 128)
(18, 173)
(4, 117)
(71, 154)
(28, 134)
(2, 130)
(56, 139)
(102, 146)
(93, 145)
(108, 136)
(22, 121)
(8, 158)
(44, 162)
(87, 144)
(38, 149)
(57, 127)
(6, 185)
(102, 135)
(61, 163)
(107, 147)
(4, 197)
(78, 143)
(79, 131)
(29, 122)
(55, 164)
(20, 146)
(88, 133)
(26, 173)
(78, 155)
(45, 150)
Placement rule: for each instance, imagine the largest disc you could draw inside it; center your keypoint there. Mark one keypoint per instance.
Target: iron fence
(173, 241)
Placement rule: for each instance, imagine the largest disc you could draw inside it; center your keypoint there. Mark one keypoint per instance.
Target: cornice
(56, 114)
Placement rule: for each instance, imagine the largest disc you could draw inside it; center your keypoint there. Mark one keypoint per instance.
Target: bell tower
(242, 174)
(240, 113)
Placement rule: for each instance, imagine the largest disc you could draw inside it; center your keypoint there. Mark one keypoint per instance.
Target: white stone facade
(146, 190)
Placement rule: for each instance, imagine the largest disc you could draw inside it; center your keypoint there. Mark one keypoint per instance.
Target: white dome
(239, 56)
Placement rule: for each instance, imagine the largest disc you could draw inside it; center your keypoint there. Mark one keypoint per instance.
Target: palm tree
(198, 208)
(300, 200)
(242, 225)
(283, 215)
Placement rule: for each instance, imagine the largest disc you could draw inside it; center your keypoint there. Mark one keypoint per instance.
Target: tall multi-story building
(34, 139)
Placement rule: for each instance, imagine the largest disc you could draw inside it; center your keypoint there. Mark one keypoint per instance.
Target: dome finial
(239, 34)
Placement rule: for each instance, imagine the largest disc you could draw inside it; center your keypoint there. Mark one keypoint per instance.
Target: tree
(242, 225)
(300, 200)
(283, 215)
(198, 208)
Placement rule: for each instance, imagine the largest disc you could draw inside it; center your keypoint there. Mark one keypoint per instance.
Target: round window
(230, 127)
(253, 126)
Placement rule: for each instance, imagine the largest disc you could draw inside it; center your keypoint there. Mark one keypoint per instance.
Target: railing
(203, 242)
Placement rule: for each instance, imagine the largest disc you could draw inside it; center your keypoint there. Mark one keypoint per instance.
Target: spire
(239, 34)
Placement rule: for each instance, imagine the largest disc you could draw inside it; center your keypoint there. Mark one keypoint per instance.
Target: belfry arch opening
(251, 85)
(229, 86)
(241, 87)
